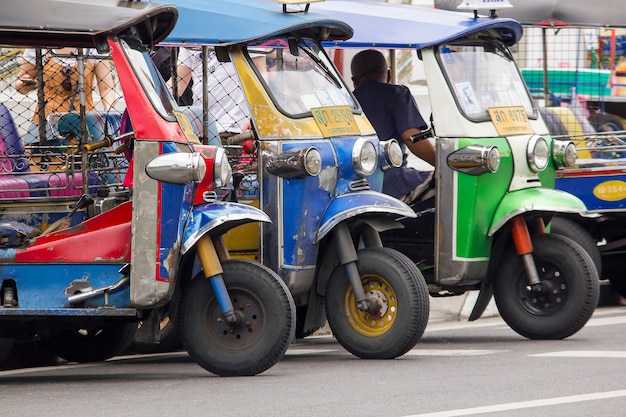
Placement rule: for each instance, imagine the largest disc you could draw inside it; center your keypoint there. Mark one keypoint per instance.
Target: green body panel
(478, 197)
(534, 200)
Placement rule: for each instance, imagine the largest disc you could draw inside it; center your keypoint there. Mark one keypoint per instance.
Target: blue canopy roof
(383, 25)
(375, 23)
(225, 22)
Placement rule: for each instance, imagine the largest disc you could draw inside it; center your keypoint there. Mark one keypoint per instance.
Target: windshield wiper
(321, 65)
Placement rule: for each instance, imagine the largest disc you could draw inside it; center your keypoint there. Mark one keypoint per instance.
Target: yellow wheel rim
(379, 323)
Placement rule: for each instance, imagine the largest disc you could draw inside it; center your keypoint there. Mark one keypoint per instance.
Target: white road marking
(583, 354)
(606, 321)
(451, 352)
(462, 326)
(525, 404)
(294, 352)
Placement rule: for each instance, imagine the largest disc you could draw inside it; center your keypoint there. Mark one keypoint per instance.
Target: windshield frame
(518, 89)
(149, 78)
(318, 60)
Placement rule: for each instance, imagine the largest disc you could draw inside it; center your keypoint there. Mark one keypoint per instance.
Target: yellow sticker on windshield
(185, 125)
(510, 120)
(335, 121)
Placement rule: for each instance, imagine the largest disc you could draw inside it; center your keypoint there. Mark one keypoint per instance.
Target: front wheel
(570, 289)
(258, 341)
(399, 286)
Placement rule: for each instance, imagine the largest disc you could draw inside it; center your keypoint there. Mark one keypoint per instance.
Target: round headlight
(564, 153)
(364, 157)
(537, 153)
(493, 159)
(570, 155)
(393, 153)
(312, 161)
(221, 169)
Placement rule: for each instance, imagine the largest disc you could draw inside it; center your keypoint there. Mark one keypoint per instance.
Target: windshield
(300, 79)
(151, 81)
(483, 75)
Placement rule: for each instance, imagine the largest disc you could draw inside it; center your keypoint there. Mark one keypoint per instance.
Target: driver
(393, 112)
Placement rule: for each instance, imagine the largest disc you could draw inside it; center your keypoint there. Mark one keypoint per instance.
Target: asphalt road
(458, 369)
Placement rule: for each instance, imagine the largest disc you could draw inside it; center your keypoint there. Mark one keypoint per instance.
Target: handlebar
(240, 138)
(108, 142)
(98, 144)
(425, 134)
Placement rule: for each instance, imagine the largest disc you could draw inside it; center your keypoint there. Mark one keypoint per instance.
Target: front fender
(354, 204)
(534, 199)
(218, 217)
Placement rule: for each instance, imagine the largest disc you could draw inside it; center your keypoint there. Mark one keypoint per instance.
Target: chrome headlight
(564, 153)
(392, 153)
(221, 169)
(177, 168)
(295, 163)
(475, 159)
(312, 162)
(364, 157)
(537, 153)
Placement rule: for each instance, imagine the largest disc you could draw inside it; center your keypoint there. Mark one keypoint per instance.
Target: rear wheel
(259, 339)
(397, 283)
(92, 344)
(580, 235)
(570, 289)
(607, 122)
(6, 347)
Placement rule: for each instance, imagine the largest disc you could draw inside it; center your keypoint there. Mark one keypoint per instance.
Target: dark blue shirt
(392, 110)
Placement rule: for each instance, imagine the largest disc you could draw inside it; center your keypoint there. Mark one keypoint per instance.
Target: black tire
(580, 235)
(169, 339)
(92, 344)
(607, 122)
(571, 300)
(255, 346)
(6, 347)
(392, 276)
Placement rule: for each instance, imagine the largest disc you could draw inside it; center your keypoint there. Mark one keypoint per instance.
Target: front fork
(207, 250)
(348, 258)
(524, 247)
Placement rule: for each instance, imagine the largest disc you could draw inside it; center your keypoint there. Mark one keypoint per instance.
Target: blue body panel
(175, 203)
(223, 215)
(599, 191)
(362, 202)
(304, 200)
(38, 290)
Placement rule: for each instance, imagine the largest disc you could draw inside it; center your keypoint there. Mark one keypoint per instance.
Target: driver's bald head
(368, 62)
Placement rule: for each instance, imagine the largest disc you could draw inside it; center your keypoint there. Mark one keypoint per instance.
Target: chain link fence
(42, 95)
(578, 77)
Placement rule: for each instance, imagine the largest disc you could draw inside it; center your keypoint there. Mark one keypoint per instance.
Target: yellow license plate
(510, 120)
(186, 127)
(335, 121)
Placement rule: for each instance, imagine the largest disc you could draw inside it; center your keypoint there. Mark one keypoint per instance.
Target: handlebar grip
(98, 144)
(240, 138)
(422, 135)
(122, 148)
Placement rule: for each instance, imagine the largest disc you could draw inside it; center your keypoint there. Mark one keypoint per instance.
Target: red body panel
(147, 123)
(104, 238)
